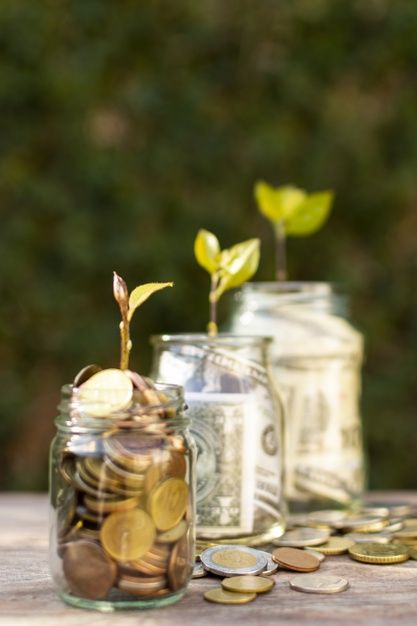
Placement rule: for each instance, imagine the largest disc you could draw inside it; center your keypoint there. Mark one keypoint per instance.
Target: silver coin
(233, 560)
(394, 509)
(318, 583)
(198, 570)
(325, 518)
(271, 567)
(365, 537)
(296, 519)
(300, 537)
(372, 523)
(394, 524)
(315, 553)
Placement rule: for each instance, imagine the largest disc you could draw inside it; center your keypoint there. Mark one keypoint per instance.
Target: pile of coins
(124, 518)
(380, 534)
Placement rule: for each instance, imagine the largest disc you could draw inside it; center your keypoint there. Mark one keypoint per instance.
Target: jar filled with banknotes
(121, 493)
(236, 421)
(316, 358)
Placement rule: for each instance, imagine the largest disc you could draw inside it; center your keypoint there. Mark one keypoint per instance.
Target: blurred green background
(126, 126)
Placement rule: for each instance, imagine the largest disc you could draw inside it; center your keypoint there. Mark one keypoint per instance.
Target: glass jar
(316, 360)
(236, 421)
(122, 496)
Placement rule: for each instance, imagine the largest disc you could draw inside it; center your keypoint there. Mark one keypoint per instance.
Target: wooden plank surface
(378, 595)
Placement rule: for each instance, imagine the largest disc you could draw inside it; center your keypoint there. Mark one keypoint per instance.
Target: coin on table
(412, 552)
(325, 517)
(335, 546)
(410, 521)
(318, 555)
(319, 583)
(295, 559)
(271, 566)
(127, 536)
(221, 596)
(179, 567)
(198, 570)
(392, 509)
(89, 572)
(231, 560)
(167, 503)
(394, 524)
(364, 537)
(248, 584)
(106, 392)
(364, 524)
(300, 537)
(379, 554)
(406, 533)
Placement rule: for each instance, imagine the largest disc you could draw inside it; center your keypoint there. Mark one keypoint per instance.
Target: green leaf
(278, 204)
(207, 250)
(311, 215)
(237, 265)
(142, 293)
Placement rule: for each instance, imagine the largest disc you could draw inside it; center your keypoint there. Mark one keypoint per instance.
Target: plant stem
(280, 253)
(125, 343)
(212, 325)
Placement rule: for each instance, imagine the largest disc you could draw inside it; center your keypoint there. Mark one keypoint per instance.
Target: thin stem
(212, 325)
(280, 253)
(125, 343)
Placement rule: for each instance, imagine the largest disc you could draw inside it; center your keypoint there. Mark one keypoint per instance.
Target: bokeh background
(126, 126)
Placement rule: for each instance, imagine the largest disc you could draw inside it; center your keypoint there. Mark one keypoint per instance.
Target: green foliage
(228, 268)
(126, 126)
(141, 293)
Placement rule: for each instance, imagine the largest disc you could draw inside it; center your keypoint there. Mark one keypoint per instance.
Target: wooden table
(378, 595)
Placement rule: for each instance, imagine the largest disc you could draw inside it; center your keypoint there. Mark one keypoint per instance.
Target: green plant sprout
(293, 213)
(128, 305)
(228, 268)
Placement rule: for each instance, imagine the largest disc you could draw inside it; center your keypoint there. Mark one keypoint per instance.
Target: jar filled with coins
(316, 359)
(122, 493)
(236, 421)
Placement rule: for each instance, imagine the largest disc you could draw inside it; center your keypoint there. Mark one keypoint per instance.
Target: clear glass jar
(122, 503)
(236, 421)
(316, 360)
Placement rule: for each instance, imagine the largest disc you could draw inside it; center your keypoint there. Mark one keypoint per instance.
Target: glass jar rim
(74, 415)
(319, 288)
(225, 339)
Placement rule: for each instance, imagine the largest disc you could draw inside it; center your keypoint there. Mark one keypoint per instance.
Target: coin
(335, 545)
(318, 555)
(198, 571)
(378, 554)
(394, 509)
(406, 533)
(271, 566)
(412, 552)
(364, 524)
(295, 559)
(86, 373)
(167, 503)
(127, 536)
(110, 506)
(364, 537)
(231, 560)
(319, 583)
(172, 464)
(325, 518)
(89, 572)
(300, 537)
(104, 393)
(141, 585)
(248, 584)
(410, 521)
(179, 567)
(173, 534)
(220, 596)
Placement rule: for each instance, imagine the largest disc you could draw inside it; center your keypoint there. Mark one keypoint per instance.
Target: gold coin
(165, 465)
(363, 524)
(169, 536)
(167, 503)
(104, 393)
(410, 521)
(407, 533)
(110, 506)
(335, 545)
(221, 596)
(412, 553)
(378, 553)
(248, 584)
(180, 564)
(127, 536)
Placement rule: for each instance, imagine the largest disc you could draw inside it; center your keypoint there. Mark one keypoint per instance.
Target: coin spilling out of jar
(122, 497)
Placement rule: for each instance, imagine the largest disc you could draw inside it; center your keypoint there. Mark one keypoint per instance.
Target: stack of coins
(124, 519)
